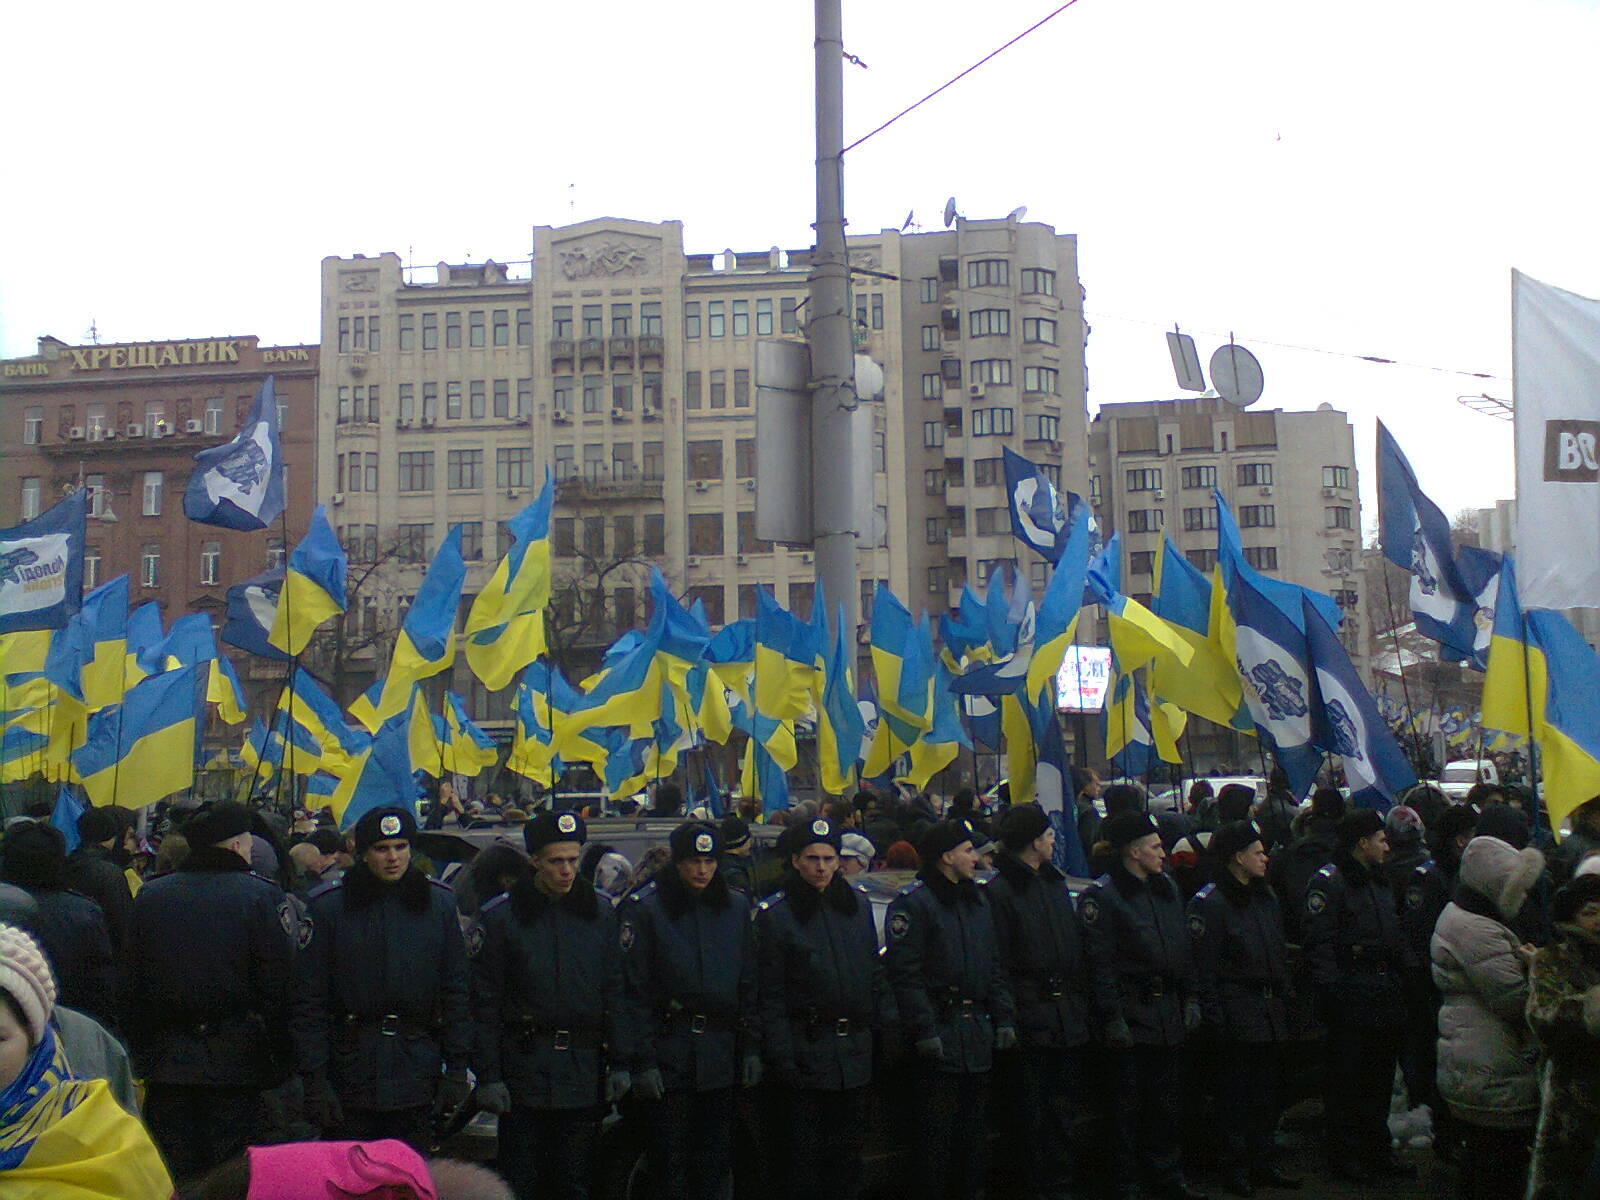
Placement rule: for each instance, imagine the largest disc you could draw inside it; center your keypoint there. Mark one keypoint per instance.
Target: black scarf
(362, 887)
(529, 901)
(947, 892)
(1020, 875)
(213, 858)
(676, 897)
(806, 900)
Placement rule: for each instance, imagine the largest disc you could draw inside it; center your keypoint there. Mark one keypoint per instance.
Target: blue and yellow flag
(937, 748)
(467, 749)
(88, 659)
(1209, 686)
(313, 587)
(839, 724)
(378, 776)
(505, 629)
(902, 660)
(1056, 622)
(144, 749)
(427, 642)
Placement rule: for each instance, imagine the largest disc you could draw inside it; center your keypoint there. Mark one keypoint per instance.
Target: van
(1457, 778)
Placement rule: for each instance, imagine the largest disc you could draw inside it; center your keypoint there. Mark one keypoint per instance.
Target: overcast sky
(1357, 178)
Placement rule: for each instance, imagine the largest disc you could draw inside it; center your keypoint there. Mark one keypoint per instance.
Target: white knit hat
(26, 977)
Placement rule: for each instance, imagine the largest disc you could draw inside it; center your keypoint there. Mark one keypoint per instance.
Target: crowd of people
(214, 1004)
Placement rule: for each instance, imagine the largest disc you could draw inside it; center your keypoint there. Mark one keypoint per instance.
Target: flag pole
(1400, 668)
(1533, 742)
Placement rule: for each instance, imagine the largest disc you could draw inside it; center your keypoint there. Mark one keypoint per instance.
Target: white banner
(1555, 339)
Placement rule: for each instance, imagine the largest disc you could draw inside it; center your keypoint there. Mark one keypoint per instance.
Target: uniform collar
(944, 890)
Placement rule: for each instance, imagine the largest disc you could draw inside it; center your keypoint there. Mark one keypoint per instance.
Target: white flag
(1556, 388)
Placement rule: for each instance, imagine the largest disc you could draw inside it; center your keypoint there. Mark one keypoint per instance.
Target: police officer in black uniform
(1242, 966)
(1143, 984)
(688, 1031)
(546, 981)
(955, 1004)
(382, 1024)
(1356, 951)
(1041, 948)
(207, 978)
(823, 993)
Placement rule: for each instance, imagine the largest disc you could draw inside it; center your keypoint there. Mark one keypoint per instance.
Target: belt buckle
(841, 1027)
(563, 1039)
(389, 1026)
(697, 1023)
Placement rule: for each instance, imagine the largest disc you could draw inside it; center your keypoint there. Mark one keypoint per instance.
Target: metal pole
(835, 511)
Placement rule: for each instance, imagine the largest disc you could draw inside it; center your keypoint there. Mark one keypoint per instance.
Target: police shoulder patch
(286, 916)
(771, 901)
(1316, 902)
(911, 887)
(626, 935)
(1089, 910)
(1413, 896)
(899, 925)
(475, 939)
(1197, 924)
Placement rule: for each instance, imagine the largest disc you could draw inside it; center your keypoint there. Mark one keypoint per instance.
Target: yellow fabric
(302, 606)
(1021, 755)
(154, 767)
(24, 653)
(95, 1152)
(520, 642)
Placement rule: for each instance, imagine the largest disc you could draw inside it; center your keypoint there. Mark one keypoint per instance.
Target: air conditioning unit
(749, 485)
(135, 430)
(808, 557)
(192, 426)
(561, 417)
(743, 560)
(109, 432)
(75, 434)
(701, 485)
(337, 498)
(522, 420)
(402, 423)
(975, 390)
(1330, 493)
(1266, 491)
(427, 422)
(650, 413)
(621, 414)
(1158, 496)
(692, 561)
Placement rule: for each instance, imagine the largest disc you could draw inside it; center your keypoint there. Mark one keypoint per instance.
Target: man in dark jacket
(823, 994)
(207, 974)
(93, 869)
(546, 982)
(736, 862)
(955, 1004)
(1241, 964)
(687, 1032)
(1041, 949)
(1357, 955)
(1143, 985)
(1292, 867)
(70, 928)
(382, 1024)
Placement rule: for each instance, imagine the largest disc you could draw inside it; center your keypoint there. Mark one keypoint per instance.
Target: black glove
(1005, 1038)
(452, 1091)
(617, 1085)
(1118, 1035)
(322, 1103)
(650, 1085)
(931, 1049)
(750, 1071)
(493, 1098)
(1192, 1016)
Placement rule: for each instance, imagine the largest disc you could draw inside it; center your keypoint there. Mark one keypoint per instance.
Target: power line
(949, 83)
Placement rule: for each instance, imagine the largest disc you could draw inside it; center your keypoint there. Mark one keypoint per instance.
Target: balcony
(561, 350)
(621, 349)
(652, 345)
(577, 489)
(592, 349)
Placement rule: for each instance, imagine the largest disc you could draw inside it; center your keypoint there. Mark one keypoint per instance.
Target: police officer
(1143, 983)
(823, 993)
(546, 979)
(207, 978)
(1041, 948)
(688, 1031)
(382, 1008)
(955, 1004)
(1357, 953)
(1242, 967)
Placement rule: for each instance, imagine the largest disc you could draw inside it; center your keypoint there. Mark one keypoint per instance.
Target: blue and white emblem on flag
(41, 567)
(1273, 666)
(1037, 517)
(240, 485)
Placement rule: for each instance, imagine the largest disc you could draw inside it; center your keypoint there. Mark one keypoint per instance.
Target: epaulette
(441, 884)
(1330, 871)
(1205, 891)
(1103, 881)
(265, 879)
(643, 893)
(771, 901)
(911, 887)
(862, 888)
(494, 904)
(324, 888)
(1420, 871)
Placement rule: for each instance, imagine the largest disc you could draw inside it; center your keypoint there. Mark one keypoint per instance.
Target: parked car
(1458, 777)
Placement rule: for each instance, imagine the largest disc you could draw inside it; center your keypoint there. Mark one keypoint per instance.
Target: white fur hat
(26, 977)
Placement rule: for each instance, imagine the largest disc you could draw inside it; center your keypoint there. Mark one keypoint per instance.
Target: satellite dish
(949, 212)
(1017, 213)
(1236, 375)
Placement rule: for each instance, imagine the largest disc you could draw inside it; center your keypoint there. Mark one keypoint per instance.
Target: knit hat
(1328, 803)
(1357, 824)
(1232, 838)
(325, 840)
(385, 824)
(25, 977)
(943, 837)
(1509, 824)
(694, 839)
(1235, 801)
(735, 832)
(35, 855)
(1500, 872)
(854, 845)
(1583, 889)
(820, 830)
(216, 822)
(1458, 819)
(98, 825)
(1022, 825)
(1403, 825)
(1123, 829)
(550, 827)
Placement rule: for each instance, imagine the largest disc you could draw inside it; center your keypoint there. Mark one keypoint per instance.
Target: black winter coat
(688, 983)
(1354, 944)
(1241, 961)
(92, 872)
(823, 985)
(1140, 967)
(72, 932)
(944, 966)
(1041, 949)
(382, 1001)
(207, 974)
(1293, 868)
(546, 984)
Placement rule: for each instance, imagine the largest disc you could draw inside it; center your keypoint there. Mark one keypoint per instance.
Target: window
(741, 318)
(524, 327)
(1257, 516)
(933, 433)
(1200, 518)
(621, 320)
(1338, 477)
(622, 461)
(933, 386)
(594, 460)
(32, 426)
(561, 394)
(1144, 479)
(213, 417)
(152, 494)
(987, 322)
(652, 462)
(1141, 562)
(1036, 281)
(430, 403)
(513, 467)
(1202, 559)
(877, 310)
(655, 534)
(475, 329)
(276, 554)
(155, 419)
(1199, 477)
(928, 289)
(1094, 489)
(565, 466)
(788, 315)
(990, 370)
(1146, 520)
(524, 397)
(741, 389)
(1041, 379)
(988, 422)
(416, 471)
(989, 272)
(930, 337)
(1262, 558)
(472, 540)
(716, 318)
(91, 567)
(691, 389)
(478, 400)
(1251, 474)
(1039, 329)
(935, 531)
(650, 321)
(452, 399)
(625, 604)
(594, 321)
(98, 496)
(564, 535)
(988, 472)
(622, 392)
(561, 322)
(452, 331)
(594, 387)
(990, 521)
(938, 580)
(412, 542)
(763, 318)
(502, 397)
(1337, 516)
(623, 540)
(650, 391)
(150, 565)
(744, 458)
(210, 563)
(430, 331)
(955, 520)
(95, 421)
(709, 597)
(464, 470)
(705, 460)
(705, 533)
(745, 541)
(933, 482)
(344, 335)
(31, 494)
(1042, 427)
(691, 319)
(408, 331)
(719, 389)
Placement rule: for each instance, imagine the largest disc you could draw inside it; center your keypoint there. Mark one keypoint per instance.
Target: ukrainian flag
(505, 629)
(937, 748)
(144, 749)
(902, 659)
(1056, 621)
(839, 724)
(379, 775)
(24, 653)
(303, 703)
(143, 636)
(1137, 635)
(1209, 685)
(467, 749)
(427, 642)
(313, 588)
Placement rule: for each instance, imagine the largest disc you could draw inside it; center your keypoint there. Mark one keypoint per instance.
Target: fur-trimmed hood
(678, 899)
(528, 901)
(1500, 873)
(804, 899)
(362, 887)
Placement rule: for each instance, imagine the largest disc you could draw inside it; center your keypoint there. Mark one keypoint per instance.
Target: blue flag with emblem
(41, 567)
(252, 608)
(1038, 519)
(239, 485)
(1272, 661)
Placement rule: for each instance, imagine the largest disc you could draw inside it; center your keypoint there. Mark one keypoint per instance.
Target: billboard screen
(1082, 681)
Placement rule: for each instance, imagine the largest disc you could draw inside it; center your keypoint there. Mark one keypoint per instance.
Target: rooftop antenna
(93, 332)
(1017, 213)
(1236, 375)
(950, 212)
(910, 217)
(572, 201)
